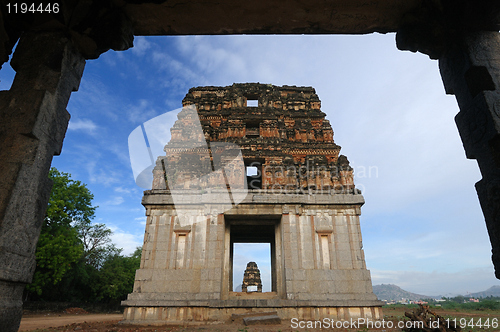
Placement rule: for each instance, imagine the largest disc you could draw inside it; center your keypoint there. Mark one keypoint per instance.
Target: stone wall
(319, 261)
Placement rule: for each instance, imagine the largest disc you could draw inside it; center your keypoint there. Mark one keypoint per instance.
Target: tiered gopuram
(251, 277)
(252, 163)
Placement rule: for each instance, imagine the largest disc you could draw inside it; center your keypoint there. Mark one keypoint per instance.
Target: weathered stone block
(262, 320)
(299, 274)
(143, 274)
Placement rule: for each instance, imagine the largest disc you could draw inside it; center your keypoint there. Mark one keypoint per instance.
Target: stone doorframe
(462, 35)
(277, 263)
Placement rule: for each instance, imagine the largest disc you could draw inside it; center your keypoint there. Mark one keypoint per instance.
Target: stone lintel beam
(33, 122)
(433, 27)
(212, 17)
(94, 26)
(92, 22)
(471, 71)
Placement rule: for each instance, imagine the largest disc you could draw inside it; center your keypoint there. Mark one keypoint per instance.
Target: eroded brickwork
(284, 135)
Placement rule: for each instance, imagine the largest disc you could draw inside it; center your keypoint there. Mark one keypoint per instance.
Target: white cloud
(82, 124)
(100, 172)
(141, 220)
(117, 200)
(438, 235)
(123, 190)
(119, 150)
(141, 112)
(177, 75)
(95, 99)
(210, 55)
(141, 45)
(128, 242)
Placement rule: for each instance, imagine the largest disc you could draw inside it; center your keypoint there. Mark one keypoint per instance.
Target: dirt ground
(85, 322)
(79, 320)
(98, 323)
(43, 322)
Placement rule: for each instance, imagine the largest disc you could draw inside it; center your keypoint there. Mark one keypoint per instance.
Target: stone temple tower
(252, 163)
(251, 277)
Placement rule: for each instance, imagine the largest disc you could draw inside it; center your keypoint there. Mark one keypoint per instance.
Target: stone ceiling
(96, 26)
(271, 17)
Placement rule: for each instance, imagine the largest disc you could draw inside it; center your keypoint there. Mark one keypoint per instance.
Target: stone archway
(53, 47)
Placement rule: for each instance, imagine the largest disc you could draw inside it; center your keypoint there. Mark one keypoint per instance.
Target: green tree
(56, 253)
(59, 247)
(116, 277)
(76, 260)
(458, 299)
(96, 239)
(70, 202)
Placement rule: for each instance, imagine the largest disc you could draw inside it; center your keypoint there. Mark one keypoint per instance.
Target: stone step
(259, 320)
(238, 318)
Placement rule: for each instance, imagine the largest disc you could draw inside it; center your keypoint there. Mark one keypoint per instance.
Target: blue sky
(422, 225)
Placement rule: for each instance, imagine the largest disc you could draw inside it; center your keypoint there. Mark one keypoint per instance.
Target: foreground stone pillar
(471, 71)
(33, 122)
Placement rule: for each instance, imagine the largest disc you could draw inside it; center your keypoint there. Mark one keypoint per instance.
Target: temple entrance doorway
(253, 239)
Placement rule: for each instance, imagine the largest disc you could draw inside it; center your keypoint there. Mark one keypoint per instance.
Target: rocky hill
(492, 291)
(391, 292)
